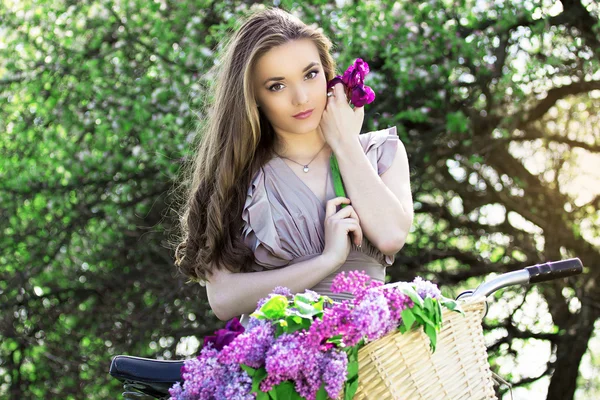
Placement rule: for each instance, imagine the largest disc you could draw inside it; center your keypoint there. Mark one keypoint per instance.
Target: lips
(304, 113)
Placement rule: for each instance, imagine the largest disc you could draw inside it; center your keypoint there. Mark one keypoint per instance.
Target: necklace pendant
(305, 168)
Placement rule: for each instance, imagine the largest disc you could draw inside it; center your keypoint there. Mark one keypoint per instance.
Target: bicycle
(144, 377)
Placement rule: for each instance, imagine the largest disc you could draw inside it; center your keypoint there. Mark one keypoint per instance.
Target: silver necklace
(305, 169)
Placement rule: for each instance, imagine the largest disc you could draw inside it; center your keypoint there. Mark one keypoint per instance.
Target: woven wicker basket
(401, 366)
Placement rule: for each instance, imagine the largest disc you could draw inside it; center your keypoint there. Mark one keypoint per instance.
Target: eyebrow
(281, 78)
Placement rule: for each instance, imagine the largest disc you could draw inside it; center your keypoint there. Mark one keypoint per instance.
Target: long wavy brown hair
(235, 140)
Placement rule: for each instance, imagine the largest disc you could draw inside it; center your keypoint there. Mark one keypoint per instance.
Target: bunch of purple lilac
(354, 83)
(303, 345)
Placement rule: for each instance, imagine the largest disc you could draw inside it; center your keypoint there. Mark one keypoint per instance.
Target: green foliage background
(496, 102)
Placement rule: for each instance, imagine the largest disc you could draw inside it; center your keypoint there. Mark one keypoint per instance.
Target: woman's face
(299, 85)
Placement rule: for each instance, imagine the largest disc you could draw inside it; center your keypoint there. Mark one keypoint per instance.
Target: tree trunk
(569, 352)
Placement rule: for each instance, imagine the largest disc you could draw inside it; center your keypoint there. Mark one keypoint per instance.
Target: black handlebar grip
(554, 270)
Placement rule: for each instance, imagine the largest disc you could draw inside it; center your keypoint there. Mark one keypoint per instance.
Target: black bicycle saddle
(152, 377)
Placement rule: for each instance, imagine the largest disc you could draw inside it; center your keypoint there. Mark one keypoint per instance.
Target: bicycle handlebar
(533, 274)
(554, 270)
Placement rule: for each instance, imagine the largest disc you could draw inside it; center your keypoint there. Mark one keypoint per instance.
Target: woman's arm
(233, 294)
(383, 203)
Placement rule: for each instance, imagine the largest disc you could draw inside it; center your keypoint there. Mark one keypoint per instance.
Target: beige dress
(283, 218)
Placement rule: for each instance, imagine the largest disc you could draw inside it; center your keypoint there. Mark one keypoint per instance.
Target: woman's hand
(338, 226)
(339, 121)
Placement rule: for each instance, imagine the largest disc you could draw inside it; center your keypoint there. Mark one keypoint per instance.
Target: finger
(333, 203)
(359, 112)
(346, 212)
(340, 91)
(353, 228)
(330, 103)
(333, 89)
(354, 214)
(357, 238)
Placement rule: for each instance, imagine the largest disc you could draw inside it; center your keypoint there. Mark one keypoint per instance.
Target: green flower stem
(338, 184)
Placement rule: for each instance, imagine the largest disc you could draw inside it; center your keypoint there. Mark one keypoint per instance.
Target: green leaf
(255, 387)
(410, 292)
(275, 307)
(249, 370)
(438, 313)
(319, 305)
(300, 298)
(350, 389)
(306, 310)
(306, 323)
(352, 370)
(408, 318)
(431, 311)
(428, 302)
(285, 390)
(294, 323)
(322, 393)
(258, 314)
(279, 330)
(432, 333)
(262, 396)
(257, 377)
(451, 305)
(337, 340)
(261, 374)
(418, 311)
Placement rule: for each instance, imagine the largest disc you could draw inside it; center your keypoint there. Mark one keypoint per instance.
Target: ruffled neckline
(330, 192)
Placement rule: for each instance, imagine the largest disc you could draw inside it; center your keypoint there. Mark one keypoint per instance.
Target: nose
(301, 96)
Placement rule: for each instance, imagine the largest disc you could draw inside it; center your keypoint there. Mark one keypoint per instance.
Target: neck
(301, 147)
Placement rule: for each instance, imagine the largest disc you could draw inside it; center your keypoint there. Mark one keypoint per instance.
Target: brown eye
(316, 71)
(271, 88)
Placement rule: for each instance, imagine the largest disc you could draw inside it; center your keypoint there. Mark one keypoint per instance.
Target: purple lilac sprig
(250, 347)
(285, 360)
(354, 83)
(373, 313)
(223, 337)
(206, 379)
(357, 283)
(333, 365)
(293, 357)
(426, 288)
(398, 302)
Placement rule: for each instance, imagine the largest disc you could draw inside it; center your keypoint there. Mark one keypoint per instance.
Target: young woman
(261, 210)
